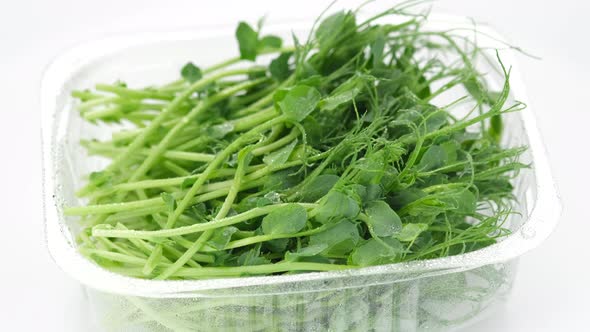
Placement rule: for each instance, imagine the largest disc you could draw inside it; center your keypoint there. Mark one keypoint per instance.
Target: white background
(552, 291)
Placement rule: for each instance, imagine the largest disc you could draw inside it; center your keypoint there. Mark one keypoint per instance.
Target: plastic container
(439, 294)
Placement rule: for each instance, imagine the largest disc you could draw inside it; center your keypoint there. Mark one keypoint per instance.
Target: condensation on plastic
(438, 294)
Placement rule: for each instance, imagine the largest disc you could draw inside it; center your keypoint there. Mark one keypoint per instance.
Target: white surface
(551, 291)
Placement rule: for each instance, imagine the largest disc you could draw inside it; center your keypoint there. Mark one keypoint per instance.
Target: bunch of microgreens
(333, 156)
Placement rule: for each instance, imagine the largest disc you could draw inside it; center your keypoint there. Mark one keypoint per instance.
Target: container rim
(539, 223)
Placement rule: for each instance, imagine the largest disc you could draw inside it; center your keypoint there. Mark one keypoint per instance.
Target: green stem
(231, 148)
(133, 93)
(250, 121)
(95, 148)
(202, 106)
(194, 143)
(264, 238)
(255, 96)
(252, 181)
(196, 228)
(155, 208)
(222, 64)
(140, 139)
(87, 105)
(175, 168)
(243, 161)
(277, 144)
(264, 101)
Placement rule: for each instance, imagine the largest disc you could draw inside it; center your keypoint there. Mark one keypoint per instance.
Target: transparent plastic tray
(439, 294)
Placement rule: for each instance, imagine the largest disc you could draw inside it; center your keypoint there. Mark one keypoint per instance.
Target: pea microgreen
(337, 153)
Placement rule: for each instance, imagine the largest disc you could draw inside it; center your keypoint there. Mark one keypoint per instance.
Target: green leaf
(357, 191)
(251, 257)
(435, 121)
(280, 180)
(401, 199)
(433, 158)
(410, 232)
(334, 27)
(221, 237)
(308, 251)
(318, 187)
(370, 169)
(427, 207)
(340, 239)
(467, 202)
(220, 130)
(191, 73)
(374, 192)
(262, 201)
(198, 212)
(451, 148)
(314, 80)
(377, 50)
(299, 102)
(435, 179)
(343, 94)
(270, 43)
(279, 67)
(374, 252)
(375, 167)
(336, 205)
(382, 219)
(463, 202)
(273, 196)
(477, 90)
(277, 245)
(279, 95)
(496, 127)
(279, 156)
(169, 201)
(286, 220)
(303, 151)
(247, 41)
